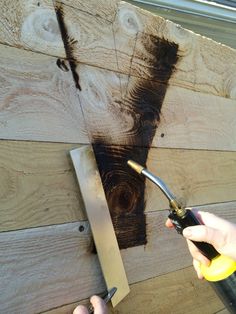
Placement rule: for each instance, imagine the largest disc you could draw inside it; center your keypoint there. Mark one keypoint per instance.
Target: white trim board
(196, 7)
(220, 27)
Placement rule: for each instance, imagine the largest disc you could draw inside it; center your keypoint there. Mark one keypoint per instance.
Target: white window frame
(210, 19)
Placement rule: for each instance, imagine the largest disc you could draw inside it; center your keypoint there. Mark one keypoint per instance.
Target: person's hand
(216, 231)
(98, 304)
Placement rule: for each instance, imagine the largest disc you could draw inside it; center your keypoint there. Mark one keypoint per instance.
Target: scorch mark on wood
(141, 104)
(124, 191)
(68, 44)
(62, 65)
(143, 100)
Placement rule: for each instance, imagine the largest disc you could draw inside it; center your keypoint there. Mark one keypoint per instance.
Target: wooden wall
(53, 99)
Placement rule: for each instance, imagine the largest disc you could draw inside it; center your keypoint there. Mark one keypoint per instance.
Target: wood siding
(79, 72)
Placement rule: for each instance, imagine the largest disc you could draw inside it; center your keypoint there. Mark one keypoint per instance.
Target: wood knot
(129, 21)
(122, 199)
(41, 26)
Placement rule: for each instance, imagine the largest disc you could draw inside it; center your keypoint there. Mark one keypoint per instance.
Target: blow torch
(221, 273)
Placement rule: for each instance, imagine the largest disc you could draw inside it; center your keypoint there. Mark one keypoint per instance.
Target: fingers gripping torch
(222, 270)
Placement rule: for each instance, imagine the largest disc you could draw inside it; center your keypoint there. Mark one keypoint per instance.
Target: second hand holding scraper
(222, 271)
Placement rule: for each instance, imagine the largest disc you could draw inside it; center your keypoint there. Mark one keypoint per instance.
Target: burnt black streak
(61, 64)
(124, 188)
(124, 191)
(160, 57)
(68, 44)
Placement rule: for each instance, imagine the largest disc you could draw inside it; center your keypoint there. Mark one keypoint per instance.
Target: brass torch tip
(134, 165)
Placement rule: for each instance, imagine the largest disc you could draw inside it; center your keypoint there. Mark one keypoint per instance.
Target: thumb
(81, 309)
(99, 305)
(207, 234)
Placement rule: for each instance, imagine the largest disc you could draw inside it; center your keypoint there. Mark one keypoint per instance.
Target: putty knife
(100, 221)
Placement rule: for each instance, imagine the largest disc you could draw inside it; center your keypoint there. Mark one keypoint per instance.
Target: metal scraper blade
(100, 221)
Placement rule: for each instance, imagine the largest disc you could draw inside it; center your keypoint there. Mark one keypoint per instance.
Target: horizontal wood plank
(40, 102)
(31, 25)
(61, 267)
(196, 120)
(38, 186)
(43, 274)
(126, 45)
(203, 65)
(38, 99)
(55, 265)
(102, 8)
(176, 292)
(130, 46)
(196, 177)
(188, 119)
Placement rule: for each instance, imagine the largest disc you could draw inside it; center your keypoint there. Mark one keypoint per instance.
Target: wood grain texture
(203, 65)
(31, 25)
(198, 177)
(129, 44)
(105, 9)
(55, 265)
(176, 292)
(120, 110)
(86, 38)
(37, 185)
(49, 266)
(38, 100)
(196, 120)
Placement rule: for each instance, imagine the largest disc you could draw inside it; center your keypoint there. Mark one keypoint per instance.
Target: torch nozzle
(174, 204)
(135, 166)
